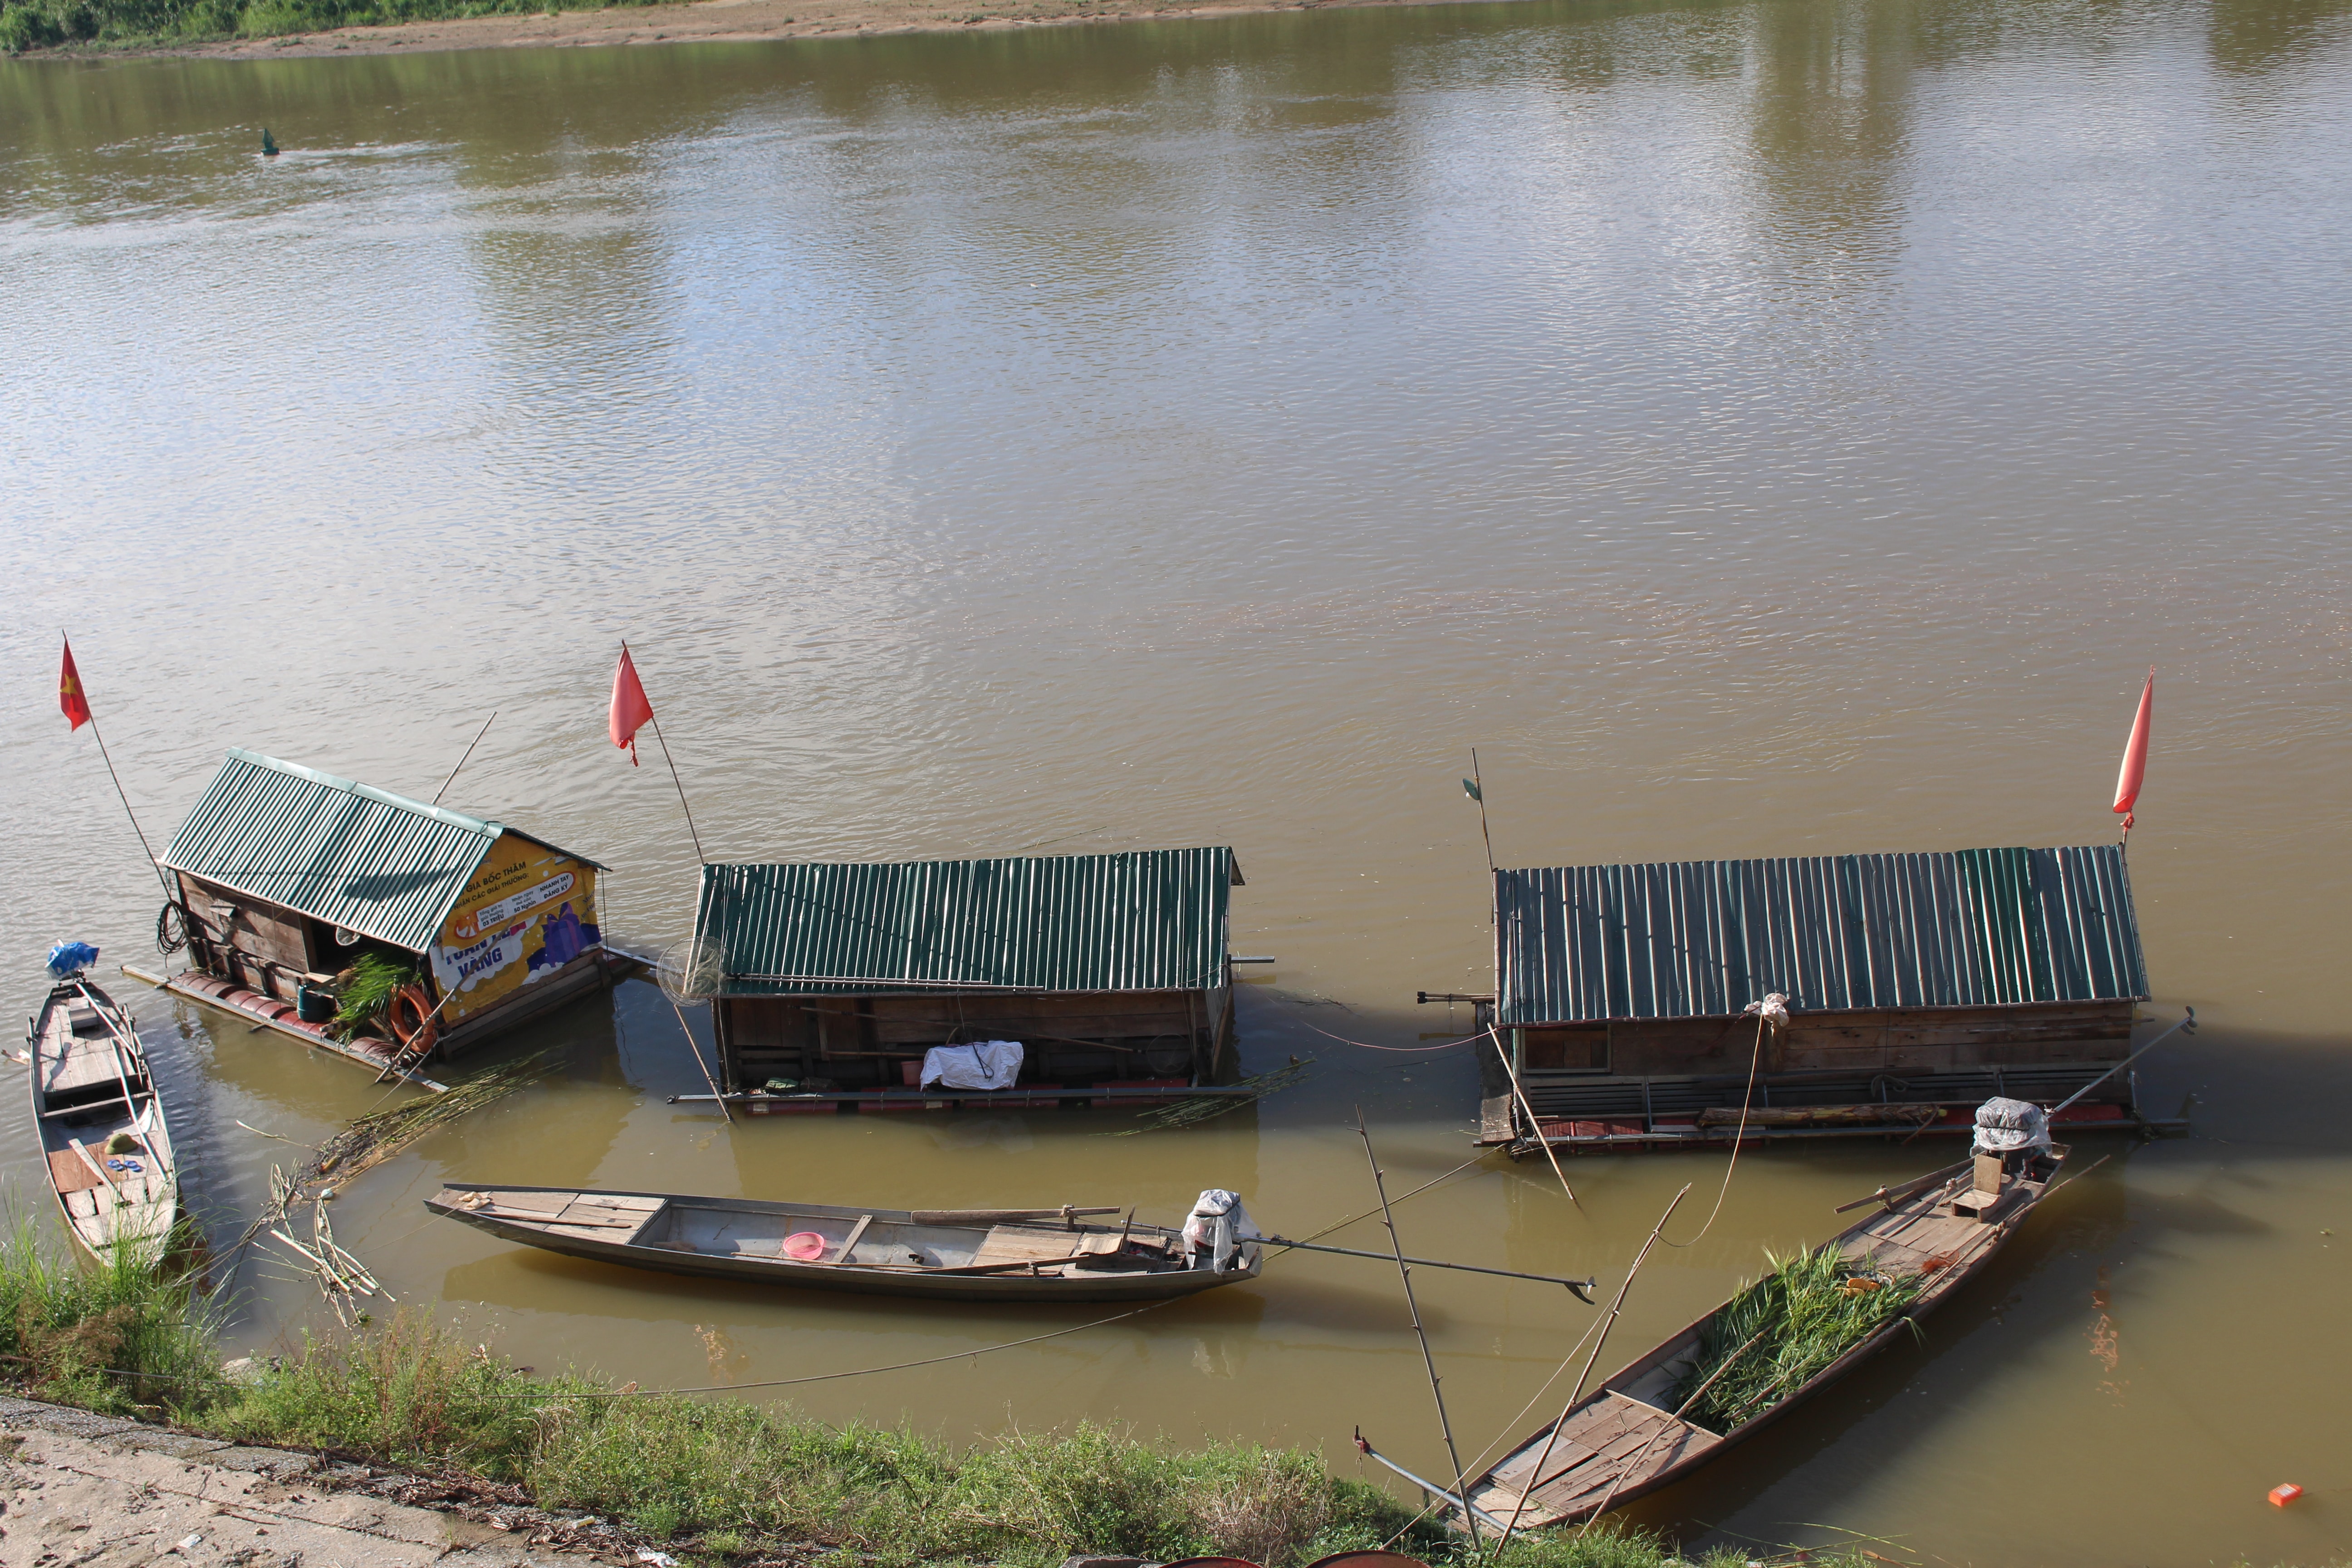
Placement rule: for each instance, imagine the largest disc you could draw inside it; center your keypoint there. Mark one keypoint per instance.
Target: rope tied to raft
(1771, 1013)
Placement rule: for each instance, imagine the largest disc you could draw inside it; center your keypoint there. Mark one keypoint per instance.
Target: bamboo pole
(1535, 1476)
(1404, 1274)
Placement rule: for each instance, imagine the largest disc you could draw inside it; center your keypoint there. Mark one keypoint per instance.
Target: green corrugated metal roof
(1704, 938)
(379, 863)
(1152, 921)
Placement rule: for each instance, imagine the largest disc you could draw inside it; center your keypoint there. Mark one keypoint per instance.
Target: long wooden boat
(961, 1255)
(1628, 1438)
(101, 1123)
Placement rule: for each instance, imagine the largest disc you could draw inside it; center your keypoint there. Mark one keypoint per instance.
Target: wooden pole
(1405, 1273)
(696, 1046)
(1481, 785)
(462, 761)
(1535, 1476)
(1534, 1126)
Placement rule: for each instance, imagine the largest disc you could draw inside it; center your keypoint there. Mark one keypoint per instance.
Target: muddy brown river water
(1761, 428)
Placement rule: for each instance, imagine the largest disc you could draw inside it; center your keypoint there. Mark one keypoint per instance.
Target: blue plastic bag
(70, 958)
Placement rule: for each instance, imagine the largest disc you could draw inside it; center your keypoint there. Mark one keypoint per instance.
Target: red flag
(2135, 753)
(630, 709)
(71, 701)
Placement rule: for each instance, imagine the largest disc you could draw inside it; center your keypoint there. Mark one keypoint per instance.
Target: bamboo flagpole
(630, 710)
(73, 702)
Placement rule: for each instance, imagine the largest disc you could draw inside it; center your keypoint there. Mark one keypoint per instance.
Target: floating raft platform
(1124, 1095)
(268, 1012)
(1633, 1133)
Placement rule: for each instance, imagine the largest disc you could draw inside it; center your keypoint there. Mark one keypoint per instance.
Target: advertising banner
(526, 913)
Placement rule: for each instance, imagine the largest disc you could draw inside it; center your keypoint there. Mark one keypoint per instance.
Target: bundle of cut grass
(373, 979)
(379, 1134)
(1780, 1332)
(1204, 1108)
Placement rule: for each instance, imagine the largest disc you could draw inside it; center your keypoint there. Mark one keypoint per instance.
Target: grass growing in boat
(1778, 1332)
(373, 979)
(65, 1321)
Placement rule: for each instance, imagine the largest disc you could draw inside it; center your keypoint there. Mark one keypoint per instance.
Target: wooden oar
(997, 1216)
(1578, 1286)
(539, 1217)
(1890, 1196)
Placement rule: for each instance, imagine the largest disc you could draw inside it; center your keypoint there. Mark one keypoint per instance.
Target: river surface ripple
(1759, 427)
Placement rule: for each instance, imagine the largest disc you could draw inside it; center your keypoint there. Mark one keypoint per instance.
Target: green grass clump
(722, 1476)
(1811, 1310)
(71, 1330)
(373, 979)
(405, 1393)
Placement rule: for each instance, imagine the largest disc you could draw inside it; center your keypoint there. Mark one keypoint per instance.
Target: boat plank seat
(1023, 1244)
(603, 1214)
(80, 1068)
(69, 1174)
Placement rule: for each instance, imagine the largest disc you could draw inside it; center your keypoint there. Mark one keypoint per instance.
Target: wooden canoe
(958, 1255)
(1626, 1439)
(91, 1087)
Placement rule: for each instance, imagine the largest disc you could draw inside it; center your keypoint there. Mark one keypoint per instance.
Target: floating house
(1917, 987)
(831, 983)
(287, 877)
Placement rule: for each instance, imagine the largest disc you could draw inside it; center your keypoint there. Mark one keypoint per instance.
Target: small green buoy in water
(268, 143)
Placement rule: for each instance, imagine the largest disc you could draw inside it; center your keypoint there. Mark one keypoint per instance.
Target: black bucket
(313, 1006)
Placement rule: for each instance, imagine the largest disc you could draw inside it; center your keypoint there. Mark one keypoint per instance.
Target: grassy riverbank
(722, 1477)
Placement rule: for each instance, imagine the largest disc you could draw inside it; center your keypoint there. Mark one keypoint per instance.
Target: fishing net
(688, 971)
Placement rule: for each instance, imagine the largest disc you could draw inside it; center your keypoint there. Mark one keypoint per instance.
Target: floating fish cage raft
(830, 985)
(1917, 985)
(285, 879)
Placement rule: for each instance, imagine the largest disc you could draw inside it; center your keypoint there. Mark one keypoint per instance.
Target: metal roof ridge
(965, 859)
(1818, 855)
(370, 792)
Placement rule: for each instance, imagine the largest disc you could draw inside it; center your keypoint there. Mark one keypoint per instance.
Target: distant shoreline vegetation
(27, 26)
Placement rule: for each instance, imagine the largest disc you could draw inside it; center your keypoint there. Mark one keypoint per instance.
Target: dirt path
(728, 21)
(83, 1491)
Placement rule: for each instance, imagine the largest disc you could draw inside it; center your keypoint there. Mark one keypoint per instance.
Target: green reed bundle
(373, 979)
(1204, 1108)
(1809, 1311)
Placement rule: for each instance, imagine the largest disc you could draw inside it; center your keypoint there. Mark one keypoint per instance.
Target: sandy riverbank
(727, 21)
(88, 1491)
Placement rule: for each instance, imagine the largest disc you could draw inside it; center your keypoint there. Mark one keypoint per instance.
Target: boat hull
(1625, 1440)
(728, 1239)
(90, 1085)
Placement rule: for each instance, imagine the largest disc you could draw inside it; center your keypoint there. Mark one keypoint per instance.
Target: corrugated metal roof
(377, 862)
(1150, 921)
(1697, 938)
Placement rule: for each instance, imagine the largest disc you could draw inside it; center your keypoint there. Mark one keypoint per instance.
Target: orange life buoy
(410, 1013)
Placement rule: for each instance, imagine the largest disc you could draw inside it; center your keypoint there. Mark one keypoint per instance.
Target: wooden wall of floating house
(245, 941)
(853, 1039)
(1880, 1040)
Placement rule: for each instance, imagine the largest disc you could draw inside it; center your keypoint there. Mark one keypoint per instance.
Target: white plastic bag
(1220, 1223)
(985, 1064)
